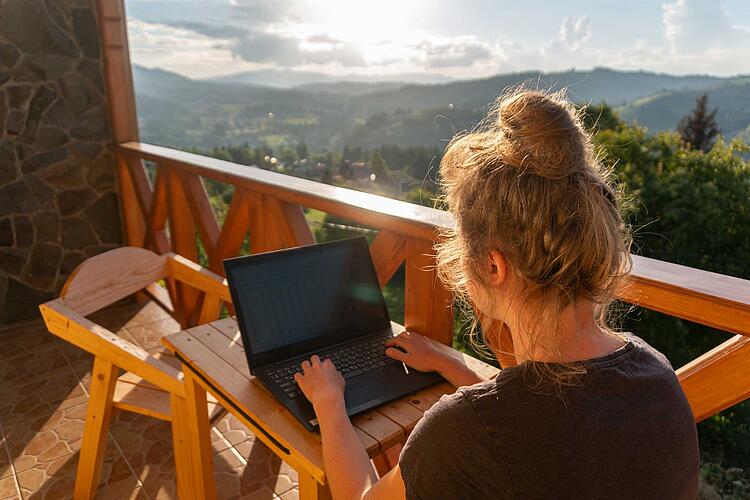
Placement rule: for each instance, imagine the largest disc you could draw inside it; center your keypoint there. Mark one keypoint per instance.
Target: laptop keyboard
(350, 360)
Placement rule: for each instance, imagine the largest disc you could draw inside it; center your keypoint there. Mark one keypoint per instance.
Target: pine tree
(699, 129)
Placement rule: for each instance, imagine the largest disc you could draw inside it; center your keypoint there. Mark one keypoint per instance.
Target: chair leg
(103, 379)
(192, 442)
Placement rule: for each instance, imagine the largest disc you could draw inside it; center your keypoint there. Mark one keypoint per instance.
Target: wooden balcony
(167, 214)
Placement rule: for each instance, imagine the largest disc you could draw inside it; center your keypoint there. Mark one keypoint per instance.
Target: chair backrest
(111, 276)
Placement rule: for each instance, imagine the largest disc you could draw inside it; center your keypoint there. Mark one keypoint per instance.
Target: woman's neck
(578, 337)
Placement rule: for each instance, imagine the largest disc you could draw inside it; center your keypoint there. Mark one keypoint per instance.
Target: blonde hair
(528, 183)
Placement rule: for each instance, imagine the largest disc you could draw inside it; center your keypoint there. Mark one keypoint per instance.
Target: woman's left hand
(321, 383)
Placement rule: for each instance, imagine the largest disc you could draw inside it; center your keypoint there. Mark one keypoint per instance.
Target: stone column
(58, 194)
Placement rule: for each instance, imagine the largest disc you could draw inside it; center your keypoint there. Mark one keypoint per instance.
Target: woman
(539, 248)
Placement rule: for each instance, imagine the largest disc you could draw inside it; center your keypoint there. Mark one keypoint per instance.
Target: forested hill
(177, 111)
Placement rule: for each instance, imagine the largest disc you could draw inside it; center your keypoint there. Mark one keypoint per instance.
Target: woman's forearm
(347, 465)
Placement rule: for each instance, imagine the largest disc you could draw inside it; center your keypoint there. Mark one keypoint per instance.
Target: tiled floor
(43, 395)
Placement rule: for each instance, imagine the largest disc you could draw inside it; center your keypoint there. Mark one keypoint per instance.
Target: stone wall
(58, 198)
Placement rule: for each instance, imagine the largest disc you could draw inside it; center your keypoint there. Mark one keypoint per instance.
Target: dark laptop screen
(294, 301)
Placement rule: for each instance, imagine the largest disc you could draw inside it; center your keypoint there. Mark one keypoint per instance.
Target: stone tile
(33, 400)
(286, 479)
(8, 488)
(147, 445)
(33, 364)
(234, 431)
(21, 340)
(126, 489)
(262, 493)
(44, 440)
(56, 478)
(292, 494)
(149, 335)
(5, 469)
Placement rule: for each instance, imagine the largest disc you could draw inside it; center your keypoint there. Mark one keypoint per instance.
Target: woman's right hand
(426, 355)
(417, 351)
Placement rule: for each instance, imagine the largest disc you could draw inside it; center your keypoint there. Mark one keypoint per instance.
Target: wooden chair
(152, 384)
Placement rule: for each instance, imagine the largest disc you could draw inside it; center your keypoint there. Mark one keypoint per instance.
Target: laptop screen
(294, 301)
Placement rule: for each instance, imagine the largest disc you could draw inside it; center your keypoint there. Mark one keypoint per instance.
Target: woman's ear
(498, 268)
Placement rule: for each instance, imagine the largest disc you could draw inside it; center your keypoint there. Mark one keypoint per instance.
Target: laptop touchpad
(362, 389)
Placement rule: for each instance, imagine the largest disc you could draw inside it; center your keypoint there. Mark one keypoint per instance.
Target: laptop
(318, 299)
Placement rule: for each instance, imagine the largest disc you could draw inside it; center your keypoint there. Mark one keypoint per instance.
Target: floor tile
(233, 430)
(5, 468)
(43, 440)
(8, 488)
(292, 494)
(263, 493)
(56, 478)
(149, 335)
(37, 398)
(32, 336)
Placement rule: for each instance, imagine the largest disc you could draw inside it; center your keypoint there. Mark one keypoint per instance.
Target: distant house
(360, 171)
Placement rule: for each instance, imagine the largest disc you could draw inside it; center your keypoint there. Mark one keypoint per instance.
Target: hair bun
(545, 132)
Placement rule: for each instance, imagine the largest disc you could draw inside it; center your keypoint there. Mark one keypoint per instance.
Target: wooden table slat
(384, 430)
(403, 413)
(228, 327)
(231, 352)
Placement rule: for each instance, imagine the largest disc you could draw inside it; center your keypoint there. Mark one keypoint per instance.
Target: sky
(439, 38)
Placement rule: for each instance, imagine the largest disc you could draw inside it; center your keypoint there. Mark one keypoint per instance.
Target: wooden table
(213, 360)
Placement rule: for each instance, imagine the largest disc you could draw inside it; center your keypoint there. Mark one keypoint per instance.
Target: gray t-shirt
(625, 430)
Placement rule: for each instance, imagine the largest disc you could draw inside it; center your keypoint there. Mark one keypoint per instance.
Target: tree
(699, 128)
(379, 168)
(302, 151)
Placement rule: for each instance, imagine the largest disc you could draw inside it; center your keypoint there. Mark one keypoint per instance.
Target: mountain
(291, 78)
(600, 84)
(663, 111)
(177, 111)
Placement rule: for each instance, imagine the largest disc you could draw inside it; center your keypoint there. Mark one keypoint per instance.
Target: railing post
(427, 304)
(183, 236)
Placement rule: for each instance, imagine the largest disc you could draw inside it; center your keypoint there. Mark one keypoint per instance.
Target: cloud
(265, 47)
(458, 52)
(572, 36)
(700, 25)
(575, 32)
(259, 44)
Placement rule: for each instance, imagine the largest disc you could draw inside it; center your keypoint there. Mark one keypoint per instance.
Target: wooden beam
(718, 379)
(388, 251)
(203, 212)
(233, 232)
(711, 299)
(141, 184)
(294, 228)
(117, 70)
(198, 277)
(182, 229)
(156, 234)
(427, 304)
(132, 220)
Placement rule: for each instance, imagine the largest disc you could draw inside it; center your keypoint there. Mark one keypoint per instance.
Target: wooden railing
(167, 214)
